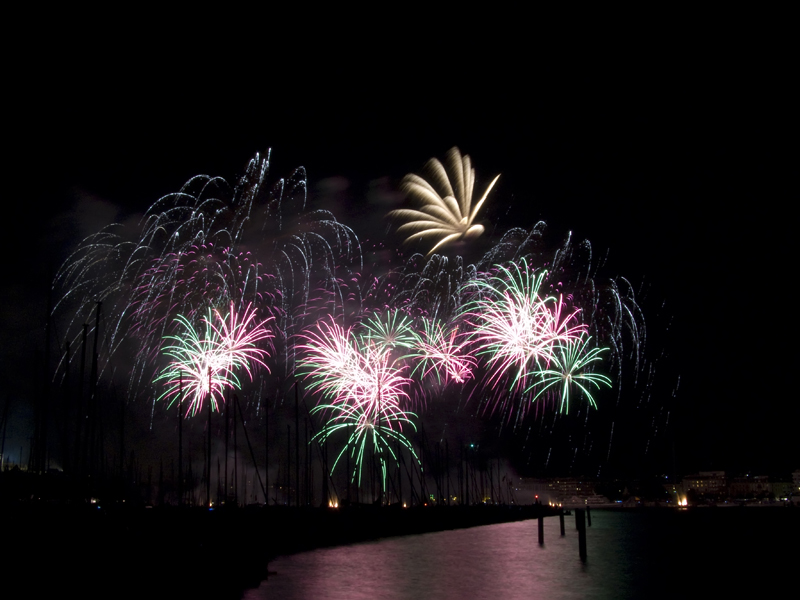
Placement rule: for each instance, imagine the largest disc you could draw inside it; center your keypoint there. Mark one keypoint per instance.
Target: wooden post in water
(561, 521)
(581, 522)
(588, 516)
(541, 529)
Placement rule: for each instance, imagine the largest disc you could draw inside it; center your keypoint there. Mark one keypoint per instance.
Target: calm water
(651, 554)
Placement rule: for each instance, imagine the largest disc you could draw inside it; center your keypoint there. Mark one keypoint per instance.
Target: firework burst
(367, 430)
(389, 330)
(363, 388)
(204, 366)
(516, 327)
(350, 369)
(528, 321)
(445, 210)
(569, 371)
(208, 245)
(443, 353)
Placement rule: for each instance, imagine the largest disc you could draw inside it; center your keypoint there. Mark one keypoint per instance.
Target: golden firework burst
(445, 201)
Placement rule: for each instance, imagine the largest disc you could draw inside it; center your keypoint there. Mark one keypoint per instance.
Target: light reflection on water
(630, 555)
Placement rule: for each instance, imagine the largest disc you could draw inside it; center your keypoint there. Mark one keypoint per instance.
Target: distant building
(782, 490)
(561, 490)
(706, 484)
(702, 487)
(749, 487)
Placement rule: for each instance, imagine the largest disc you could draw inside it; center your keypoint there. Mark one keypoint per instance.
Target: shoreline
(219, 553)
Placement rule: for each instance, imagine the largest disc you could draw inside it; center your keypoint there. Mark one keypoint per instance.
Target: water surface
(648, 554)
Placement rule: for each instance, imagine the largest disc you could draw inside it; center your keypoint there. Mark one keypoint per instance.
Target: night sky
(668, 162)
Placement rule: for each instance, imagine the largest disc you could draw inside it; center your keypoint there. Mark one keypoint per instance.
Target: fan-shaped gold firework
(445, 201)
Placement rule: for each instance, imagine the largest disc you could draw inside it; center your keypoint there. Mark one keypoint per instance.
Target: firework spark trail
(196, 370)
(389, 330)
(520, 338)
(205, 246)
(568, 369)
(191, 282)
(364, 432)
(330, 361)
(351, 369)
(516, 327)
(203, 366)
(363, 386)
(609, 307)
(442, 353)
(422, 286)
(238, 337)
(503, 326)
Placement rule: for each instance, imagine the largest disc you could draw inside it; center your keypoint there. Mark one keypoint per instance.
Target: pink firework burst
(350, 369)
(443, 353)
(516, 327)
(204, 365)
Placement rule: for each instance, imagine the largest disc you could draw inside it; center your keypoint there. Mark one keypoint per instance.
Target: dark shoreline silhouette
(96, 549)
(55, 541)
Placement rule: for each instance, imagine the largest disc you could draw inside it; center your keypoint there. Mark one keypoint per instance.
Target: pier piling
(581, 523)
(541, 530)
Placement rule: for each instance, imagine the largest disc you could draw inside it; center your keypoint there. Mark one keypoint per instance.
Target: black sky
(669, 161)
